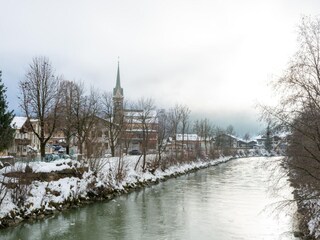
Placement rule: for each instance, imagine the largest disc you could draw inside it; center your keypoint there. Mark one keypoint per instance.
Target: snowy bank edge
(11, 215)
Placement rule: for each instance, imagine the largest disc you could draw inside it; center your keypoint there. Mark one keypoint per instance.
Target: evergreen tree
(268, 142)
(6, 117)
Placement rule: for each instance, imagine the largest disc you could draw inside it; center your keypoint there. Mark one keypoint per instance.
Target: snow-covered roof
(283, 134)
(279, 134)
(140, 130)
(259, 137)
(18, 122)
(229, 135)
(234, 137)
(187, 137)
(138, 115)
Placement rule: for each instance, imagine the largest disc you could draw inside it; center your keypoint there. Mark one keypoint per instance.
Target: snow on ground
(57, 165)
(38, 167)
(41, 194)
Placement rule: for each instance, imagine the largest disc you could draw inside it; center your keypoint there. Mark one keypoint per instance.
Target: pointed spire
(118, 89)
(118, 85)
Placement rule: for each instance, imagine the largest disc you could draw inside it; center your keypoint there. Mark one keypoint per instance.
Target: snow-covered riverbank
(309, 208)
(42, 188)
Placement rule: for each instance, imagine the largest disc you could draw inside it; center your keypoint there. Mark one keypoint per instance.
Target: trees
(268, 142)
(246, 136)
(85, 111)
(114, 126)
(230, 130)
(127, 124)
(40, 98)
(6, 117)
(66, 114)
(163, 132)
(299, 90)
(204, 130)
(299, 87)
(184, 118)
(174, 117)
(146, 120)
(298, 110)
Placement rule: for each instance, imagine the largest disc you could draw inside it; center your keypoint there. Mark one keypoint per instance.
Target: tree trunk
(42, 150)
(67, 149)
(80, 147)
(112, 148)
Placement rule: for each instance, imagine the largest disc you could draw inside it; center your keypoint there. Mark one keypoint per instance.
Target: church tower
(118, 97)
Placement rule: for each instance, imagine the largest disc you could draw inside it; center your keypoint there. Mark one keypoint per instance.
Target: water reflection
(224, 202)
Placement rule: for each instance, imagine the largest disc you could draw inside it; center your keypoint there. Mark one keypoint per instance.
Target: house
(25, 141)
(229, 141)
(140, 130)
(226, 141)
(57, 138)
(97, 141)
(191, 142)
(252, 144)
(175, 147)
(242, 143)
(278, 142)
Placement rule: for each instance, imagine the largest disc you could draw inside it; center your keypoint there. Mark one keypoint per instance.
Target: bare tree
(66, 114)
(40, 98)
(246, 137)
(220, 141)
(204, 129)
(85, 109)
(197, 129)
(299, 88)
(298, 110)
(185, 114)
(174, 117)
(207, 133)
(129, 129)
(163, 133)
(147, 121)
(230, 130)
(114, 127)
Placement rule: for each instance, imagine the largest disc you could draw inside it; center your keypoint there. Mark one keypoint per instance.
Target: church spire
(118, 97)
(118, 89)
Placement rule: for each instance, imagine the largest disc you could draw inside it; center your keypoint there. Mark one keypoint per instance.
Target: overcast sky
(216, 56)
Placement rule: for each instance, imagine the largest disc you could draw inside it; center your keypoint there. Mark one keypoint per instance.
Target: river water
(235, 200)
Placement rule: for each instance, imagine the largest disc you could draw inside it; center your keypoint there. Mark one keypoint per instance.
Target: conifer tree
(268, 142)
(6, 117)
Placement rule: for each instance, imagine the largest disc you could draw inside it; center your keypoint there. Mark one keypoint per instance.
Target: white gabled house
(25, 141)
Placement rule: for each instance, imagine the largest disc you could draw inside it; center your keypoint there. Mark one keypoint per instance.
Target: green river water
(235, 200)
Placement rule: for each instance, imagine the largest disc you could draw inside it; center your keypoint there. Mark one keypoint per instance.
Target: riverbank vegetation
(32, 191)
(298, 112)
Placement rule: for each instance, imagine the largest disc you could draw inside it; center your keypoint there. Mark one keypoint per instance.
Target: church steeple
(118, 97)
(118, 90)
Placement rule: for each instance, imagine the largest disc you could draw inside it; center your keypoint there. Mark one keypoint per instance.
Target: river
(235, 200)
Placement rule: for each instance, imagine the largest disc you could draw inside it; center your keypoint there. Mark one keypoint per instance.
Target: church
(139, 127)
